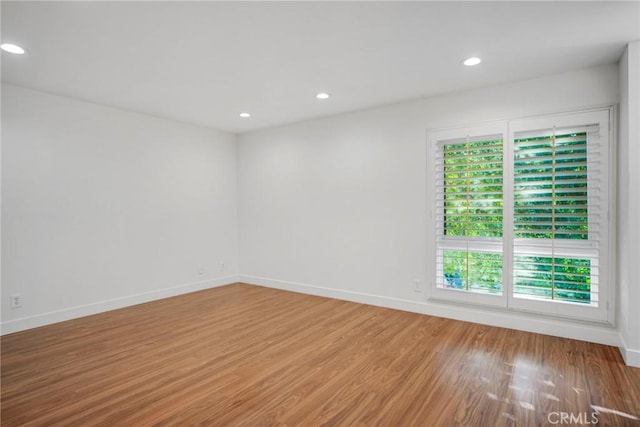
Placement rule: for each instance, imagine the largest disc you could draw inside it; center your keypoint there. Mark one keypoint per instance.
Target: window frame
(604, 117)
(454, 243)
(601, 118)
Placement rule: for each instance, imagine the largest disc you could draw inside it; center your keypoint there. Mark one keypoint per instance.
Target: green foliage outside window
(473, 198)
(566, 279)
(550, 188)
(473, 271)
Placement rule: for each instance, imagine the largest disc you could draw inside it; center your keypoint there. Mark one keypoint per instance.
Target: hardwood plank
(246, 355)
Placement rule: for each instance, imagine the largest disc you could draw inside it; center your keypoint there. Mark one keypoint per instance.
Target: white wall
(103, 208)
(337, 206)
(628, 198)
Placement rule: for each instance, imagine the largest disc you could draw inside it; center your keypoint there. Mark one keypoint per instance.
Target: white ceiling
(205, 62)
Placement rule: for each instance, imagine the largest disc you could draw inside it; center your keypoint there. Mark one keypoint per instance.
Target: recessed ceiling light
(245, 115)
(322, 95)
(470, 62)
(12, 48)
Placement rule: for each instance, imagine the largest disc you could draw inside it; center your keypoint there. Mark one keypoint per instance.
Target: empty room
(320, 213)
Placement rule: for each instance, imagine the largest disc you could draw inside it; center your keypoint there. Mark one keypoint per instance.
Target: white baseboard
(519, 321)
(43, 319)
(631, 357)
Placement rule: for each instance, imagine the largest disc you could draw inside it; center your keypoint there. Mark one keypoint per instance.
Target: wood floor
(246, 355)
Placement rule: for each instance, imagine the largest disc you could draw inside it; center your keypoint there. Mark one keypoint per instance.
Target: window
(521, 214)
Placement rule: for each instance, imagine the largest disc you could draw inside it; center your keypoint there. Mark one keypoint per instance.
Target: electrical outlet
(417, 286)
(16, 301)
(222, 267)
(200, 269)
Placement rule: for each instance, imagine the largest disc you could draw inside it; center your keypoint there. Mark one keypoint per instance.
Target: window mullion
(467, 176)
(507, 215)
